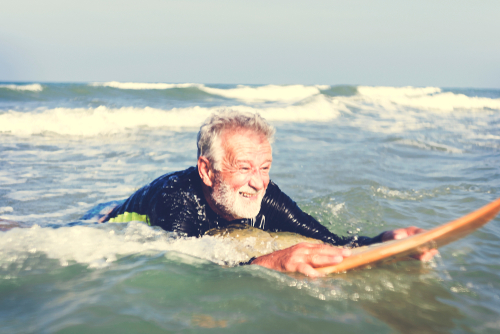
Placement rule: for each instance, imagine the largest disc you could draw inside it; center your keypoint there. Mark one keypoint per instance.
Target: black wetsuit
(175, 202)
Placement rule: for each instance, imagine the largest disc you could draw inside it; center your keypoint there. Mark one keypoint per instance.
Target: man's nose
(257, 180)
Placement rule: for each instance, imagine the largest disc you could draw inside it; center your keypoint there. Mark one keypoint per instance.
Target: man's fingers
(325, 260)
(307, 270)
(427, 255)
(412, 230)
(303, 258)
(398, 234)
(401, 233)
(407, 232)
(322, 249)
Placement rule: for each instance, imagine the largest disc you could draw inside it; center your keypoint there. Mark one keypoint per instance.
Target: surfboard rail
(434, 238)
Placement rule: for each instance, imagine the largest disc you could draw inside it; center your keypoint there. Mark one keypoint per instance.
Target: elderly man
(231, 184)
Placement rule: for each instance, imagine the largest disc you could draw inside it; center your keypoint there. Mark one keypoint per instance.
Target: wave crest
(268, 93)
(103, 244)
(103, 120)
(30, 87)
(425, 98)
(271, 93)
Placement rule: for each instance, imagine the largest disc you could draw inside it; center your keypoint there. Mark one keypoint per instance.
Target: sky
(358, 42)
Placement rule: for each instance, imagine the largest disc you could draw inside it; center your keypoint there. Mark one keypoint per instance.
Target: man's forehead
(241, 141)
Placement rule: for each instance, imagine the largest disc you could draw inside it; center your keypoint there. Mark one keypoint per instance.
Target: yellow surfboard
(435, 238)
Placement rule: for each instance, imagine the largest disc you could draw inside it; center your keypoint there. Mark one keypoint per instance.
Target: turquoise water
(360, 159)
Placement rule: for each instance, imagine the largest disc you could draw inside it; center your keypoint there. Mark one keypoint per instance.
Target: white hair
(209, 137)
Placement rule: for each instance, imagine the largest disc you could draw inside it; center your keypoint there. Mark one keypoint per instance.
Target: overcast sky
(367, 42)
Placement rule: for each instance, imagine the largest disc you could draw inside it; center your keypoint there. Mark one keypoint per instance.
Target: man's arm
(305, 257)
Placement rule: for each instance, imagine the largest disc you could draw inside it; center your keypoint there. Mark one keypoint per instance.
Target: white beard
(232, 203)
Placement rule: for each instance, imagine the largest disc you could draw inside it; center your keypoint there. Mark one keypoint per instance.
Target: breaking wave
(29, 87)
(272, 93)
(428, 98)
(99, 246)
(104, 120)
(376, 109)
(432, 98)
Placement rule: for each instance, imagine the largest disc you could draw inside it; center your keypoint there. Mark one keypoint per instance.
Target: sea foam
(30, 87)
(268, 93)
(103, 120)
(98, 246)
(428, 98)
(272, 93)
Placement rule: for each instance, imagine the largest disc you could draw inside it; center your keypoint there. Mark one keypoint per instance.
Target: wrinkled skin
(245, 169)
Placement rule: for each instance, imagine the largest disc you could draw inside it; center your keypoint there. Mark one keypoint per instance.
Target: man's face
(242, 181)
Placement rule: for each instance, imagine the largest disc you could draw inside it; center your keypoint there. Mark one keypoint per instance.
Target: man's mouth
(249, 195)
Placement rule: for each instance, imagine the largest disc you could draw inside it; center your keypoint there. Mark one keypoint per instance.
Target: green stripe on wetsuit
(130, 216)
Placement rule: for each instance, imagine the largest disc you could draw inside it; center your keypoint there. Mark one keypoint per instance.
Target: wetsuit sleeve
(283, 214)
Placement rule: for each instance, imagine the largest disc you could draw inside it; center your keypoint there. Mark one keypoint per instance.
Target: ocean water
(360, 159)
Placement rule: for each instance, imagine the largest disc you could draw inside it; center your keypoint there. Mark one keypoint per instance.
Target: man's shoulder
(169, 189)
(172, 184)
(272, 189)
(275, 198)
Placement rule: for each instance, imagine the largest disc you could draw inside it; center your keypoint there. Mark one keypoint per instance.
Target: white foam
(96, 121)
(336, 208)
(141, 85)
(6, 209)
(103, 120)
(6, 180)
(272, 93)
(30, 87)
(391, 193)
(394, 110)
(99, 246)
(428, 98)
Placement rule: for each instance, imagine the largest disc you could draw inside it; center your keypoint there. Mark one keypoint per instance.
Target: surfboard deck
(432, 239)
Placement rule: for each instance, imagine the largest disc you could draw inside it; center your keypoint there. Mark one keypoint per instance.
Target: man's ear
(206, 173)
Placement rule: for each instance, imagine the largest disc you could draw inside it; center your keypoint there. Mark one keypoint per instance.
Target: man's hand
(303, 258)
(402, 233)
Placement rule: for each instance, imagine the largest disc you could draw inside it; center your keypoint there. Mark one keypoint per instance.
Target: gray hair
(209, 137)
